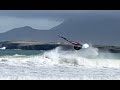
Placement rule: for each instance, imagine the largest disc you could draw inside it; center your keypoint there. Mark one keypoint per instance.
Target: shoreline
(34, 45)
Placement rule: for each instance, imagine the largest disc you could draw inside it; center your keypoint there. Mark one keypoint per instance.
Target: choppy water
(59, 64)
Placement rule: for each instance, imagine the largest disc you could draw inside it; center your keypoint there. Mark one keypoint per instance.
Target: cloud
(53, 13)
(44, 19)
(8, 23)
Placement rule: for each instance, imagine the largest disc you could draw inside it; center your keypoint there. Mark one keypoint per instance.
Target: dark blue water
(38, 52)
(19, 52)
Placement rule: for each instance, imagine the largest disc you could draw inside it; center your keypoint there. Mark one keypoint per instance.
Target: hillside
(94, 29)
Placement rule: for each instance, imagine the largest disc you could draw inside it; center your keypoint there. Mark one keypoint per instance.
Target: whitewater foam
(59, 64)
(87, 57)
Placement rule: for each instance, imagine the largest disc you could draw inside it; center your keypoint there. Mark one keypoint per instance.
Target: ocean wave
(87, 64)
(87, 57)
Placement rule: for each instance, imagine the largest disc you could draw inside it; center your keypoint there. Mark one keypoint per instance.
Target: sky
(8, 23)
(40, 19)
(10, 19)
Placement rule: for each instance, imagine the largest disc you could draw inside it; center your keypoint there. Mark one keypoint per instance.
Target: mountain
(96, 29)
(25, 34)
(88, 28)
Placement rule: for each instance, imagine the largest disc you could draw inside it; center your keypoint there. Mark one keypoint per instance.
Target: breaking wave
(89, 58)
(85, 64)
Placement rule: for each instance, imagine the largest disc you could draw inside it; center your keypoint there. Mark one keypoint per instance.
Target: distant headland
(34, 45)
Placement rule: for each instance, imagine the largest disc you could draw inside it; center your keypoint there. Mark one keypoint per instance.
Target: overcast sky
(41, 19)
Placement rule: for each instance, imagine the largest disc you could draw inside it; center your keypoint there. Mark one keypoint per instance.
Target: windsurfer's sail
(76, 45)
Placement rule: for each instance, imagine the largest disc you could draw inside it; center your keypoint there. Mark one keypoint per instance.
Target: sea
(59, 64)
